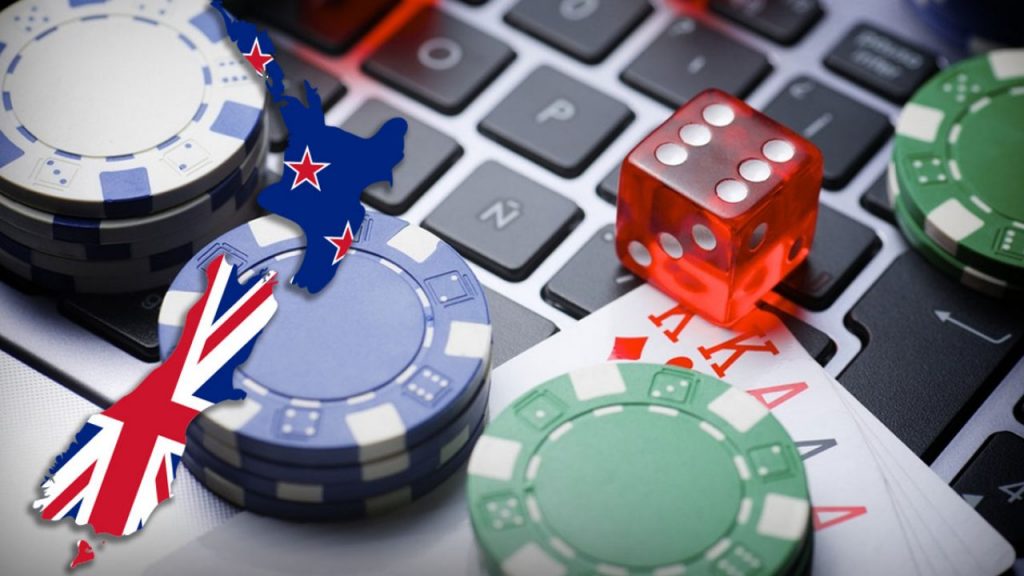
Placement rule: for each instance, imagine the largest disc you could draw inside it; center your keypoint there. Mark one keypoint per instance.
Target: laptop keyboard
(688, 57)
(847, 132)
(428, 154)
(783, 22)
(934, 350)
(585, 30)
(842, 246)
(881, 62)
(475, 219)
(922, 371)
(453, 61)
(574, 125)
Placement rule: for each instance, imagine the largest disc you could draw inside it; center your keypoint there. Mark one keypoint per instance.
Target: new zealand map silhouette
(121, 464)
(326, 168)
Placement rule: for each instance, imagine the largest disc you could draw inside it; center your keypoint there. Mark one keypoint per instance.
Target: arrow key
(932, 347)
(993, 483)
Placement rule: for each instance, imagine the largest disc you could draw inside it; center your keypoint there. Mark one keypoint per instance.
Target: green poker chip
(638, 469)
(964, 274)
(959, 161)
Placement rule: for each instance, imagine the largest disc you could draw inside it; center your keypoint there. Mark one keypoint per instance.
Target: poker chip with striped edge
(240, 187)
(75, 238)
(964, 274)
(956, 162)
(637, 469)
(267, 475)
(181, 219)
(380, 360)
(338, 510)
(122, 276)
(147, 105)
(163, 267)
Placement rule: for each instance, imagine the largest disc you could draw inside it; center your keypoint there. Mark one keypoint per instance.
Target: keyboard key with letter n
(504, 221)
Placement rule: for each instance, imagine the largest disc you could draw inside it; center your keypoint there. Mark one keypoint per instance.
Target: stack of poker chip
(130, 135)
(360, 398)
(974, 25)
(956, 172)
(639, 469)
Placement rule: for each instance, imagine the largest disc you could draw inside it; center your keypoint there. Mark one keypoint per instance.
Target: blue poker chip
(384, 357)
(58, 275)
(385, 478)
(340, 510)
(87, 131)
(226, 200)
(187, 218)
(974, 25)
(256, 473)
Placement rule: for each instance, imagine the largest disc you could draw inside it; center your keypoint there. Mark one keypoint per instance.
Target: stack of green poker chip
(966, 275)
(639, 469)
(956, 179)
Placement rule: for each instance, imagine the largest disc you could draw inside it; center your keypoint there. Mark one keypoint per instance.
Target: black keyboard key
(784, 21)
(504, 221)
(1019, 411)
(881, 62)
(847, 132)
(608, 187)
(128, 321)
(842, 247)
(688, 58)
(876, 199)
(516, 328)
(296, 72)
(585, 29)
(428, 154)
(931, 348)
(814, 341)
(439, 60)
(592, 278)
(556, 121)
(993, 483)
(332, 27)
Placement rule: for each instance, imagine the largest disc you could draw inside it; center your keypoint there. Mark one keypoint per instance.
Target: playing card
(963, 536)
(853, 510)
(760, 355)
(844, 479)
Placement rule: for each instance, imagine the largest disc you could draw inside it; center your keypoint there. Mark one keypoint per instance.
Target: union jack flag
(122, 462)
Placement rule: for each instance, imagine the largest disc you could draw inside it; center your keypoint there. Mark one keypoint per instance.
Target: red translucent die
(717, 205)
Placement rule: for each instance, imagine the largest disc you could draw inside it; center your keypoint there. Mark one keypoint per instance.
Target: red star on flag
(306, 170)
(257, 58)
(341, 243)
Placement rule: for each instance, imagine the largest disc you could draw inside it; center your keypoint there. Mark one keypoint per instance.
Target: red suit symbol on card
(625, 348)
(632, 348)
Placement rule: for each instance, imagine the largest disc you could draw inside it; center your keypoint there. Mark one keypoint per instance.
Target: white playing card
(855, 510)
(963, 535)
(840, 485)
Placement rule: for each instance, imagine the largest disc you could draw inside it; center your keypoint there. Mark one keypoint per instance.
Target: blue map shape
(354, 163)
